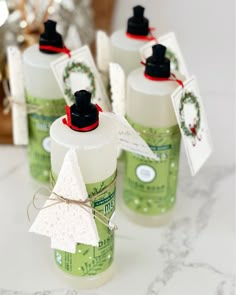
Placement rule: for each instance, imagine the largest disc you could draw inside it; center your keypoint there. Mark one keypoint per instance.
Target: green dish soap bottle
(150, 186)
(44, 97)
(125, 45)
(94, 139)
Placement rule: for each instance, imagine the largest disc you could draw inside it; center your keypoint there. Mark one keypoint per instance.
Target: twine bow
(85, 204)
(9, 102)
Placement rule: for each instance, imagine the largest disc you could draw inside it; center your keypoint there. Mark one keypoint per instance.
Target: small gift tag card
(17, 99)
(173, 52)
(117, 82)
(79, 72)
(129, 138)
(67, 216)
(192, 122)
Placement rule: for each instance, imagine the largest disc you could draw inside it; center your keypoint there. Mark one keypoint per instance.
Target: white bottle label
(193, 125)
(145, 173)
(79, 72)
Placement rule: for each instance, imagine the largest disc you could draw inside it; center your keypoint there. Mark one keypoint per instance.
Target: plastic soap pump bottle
(44, 97)
(125, 45)
(150, 186)
(95, 141)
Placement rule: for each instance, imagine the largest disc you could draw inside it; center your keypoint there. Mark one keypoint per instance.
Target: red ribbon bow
(87, 128)
(56, 49)
(171, 78)
(149, 37)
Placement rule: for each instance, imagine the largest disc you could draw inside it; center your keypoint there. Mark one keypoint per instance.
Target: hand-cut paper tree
(67, 223)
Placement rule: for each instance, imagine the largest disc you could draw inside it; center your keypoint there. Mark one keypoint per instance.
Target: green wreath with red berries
(77, 67)
(189, 98)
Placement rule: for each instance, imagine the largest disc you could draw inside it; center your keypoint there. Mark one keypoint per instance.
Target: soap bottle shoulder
(34, 57)
(104, 134)
(137, 81)
(119, 39)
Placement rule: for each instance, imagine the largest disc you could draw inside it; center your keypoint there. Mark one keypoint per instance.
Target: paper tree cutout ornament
(67, 223)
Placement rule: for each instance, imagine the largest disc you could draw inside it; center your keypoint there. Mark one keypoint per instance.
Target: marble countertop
(193, 254)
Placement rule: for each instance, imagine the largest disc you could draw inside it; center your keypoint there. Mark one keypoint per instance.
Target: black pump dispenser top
(50, 37)
(157, 65)
(83, 112)
(138, 24)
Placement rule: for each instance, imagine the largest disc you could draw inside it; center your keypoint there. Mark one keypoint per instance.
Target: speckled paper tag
(19, 108)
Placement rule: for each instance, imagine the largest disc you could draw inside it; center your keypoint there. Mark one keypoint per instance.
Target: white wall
(205, 30)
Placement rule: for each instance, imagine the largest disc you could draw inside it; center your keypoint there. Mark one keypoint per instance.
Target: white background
(205, 30)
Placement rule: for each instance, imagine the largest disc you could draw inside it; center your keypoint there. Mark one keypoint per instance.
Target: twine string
(9, 102)
(85, 204)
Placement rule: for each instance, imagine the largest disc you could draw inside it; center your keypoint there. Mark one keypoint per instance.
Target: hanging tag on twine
(192, 121)
(129, 139)
(80, 72)
(67, 217)
(19, 109)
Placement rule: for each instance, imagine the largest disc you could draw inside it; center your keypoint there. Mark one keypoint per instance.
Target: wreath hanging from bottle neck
(192, 129)
(77, 67)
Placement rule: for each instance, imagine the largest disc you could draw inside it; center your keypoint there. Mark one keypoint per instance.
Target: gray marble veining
(179, 239)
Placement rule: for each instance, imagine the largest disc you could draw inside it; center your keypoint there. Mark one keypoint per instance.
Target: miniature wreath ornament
(77, 67)
(192, 129)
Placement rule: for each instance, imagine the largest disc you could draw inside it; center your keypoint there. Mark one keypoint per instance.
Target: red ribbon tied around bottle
(149, 37)
(56, 49)
(171, 78)
(67, 121)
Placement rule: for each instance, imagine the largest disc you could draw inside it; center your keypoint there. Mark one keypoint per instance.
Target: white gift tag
(174, 53)
(193, 125)
(19, 109)
(102, 51)
(129, 139)
(117, 82)
(67, 223)
(79, 72)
